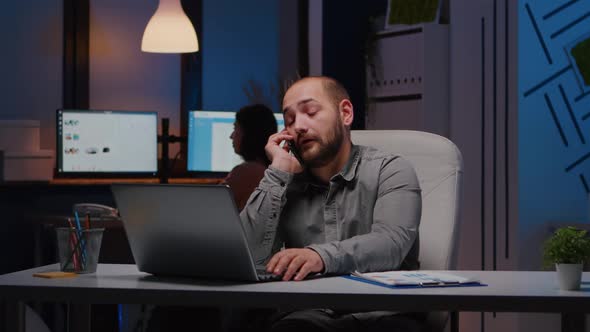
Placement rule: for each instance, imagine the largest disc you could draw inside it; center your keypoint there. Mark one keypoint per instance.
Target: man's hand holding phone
(279, 152)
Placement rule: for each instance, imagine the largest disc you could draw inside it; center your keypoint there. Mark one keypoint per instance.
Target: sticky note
(55, 274)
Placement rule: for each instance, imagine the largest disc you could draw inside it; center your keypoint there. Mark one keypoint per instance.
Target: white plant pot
(569, 276)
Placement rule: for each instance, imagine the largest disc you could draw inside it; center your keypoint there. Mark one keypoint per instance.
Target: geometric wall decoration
(555, 40)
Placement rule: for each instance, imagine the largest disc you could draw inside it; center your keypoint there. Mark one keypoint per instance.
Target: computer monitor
(106, 143)
(210, 149)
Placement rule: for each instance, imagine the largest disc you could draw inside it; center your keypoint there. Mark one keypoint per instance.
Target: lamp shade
(169, 30)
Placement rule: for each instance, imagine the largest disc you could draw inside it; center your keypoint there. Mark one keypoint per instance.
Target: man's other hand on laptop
(295, 263)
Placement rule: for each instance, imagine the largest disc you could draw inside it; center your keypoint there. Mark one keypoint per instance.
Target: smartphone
(295, 152)
(95, 210)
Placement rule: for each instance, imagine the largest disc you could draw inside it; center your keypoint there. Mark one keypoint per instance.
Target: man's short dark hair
(335, 90)
(257, 123)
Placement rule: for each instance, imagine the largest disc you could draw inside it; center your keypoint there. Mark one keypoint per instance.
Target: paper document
(416, 278)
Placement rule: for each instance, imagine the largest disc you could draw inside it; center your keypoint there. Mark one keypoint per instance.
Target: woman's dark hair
(257, 123)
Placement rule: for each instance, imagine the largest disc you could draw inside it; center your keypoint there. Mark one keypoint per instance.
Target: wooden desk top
(81, 181)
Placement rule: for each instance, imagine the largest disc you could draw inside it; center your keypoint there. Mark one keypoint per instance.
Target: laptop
(187, 231)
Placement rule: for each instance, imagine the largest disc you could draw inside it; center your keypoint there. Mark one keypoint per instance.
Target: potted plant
(568, 248)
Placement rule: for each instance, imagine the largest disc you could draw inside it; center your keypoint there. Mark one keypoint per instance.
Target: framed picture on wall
(578, 53)
(404, 14)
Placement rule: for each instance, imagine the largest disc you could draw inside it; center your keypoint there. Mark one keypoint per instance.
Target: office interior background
(494, 76)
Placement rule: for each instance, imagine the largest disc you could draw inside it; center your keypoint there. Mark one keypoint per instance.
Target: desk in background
(27, 206)
(79, 181)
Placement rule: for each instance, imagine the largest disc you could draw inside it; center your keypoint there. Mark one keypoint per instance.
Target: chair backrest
(439, 166)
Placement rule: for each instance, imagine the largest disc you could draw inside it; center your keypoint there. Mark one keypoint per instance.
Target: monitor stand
(165, 138)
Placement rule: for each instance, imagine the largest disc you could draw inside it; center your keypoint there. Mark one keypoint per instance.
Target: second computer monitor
(209, 146)
(104, 143)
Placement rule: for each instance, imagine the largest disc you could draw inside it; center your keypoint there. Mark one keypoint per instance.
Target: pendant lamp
(169, 30)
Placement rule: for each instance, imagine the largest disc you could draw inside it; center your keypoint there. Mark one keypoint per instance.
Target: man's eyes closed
(312, 110)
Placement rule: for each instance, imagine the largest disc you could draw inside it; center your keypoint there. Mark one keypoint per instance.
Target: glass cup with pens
(79, 245)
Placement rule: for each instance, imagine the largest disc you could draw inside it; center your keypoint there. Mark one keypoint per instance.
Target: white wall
(315, 37)
(288, 49)
(31, 63)
(476, 102)
(122, 77)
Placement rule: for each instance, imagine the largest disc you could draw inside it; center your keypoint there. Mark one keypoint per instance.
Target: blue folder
(466, 284)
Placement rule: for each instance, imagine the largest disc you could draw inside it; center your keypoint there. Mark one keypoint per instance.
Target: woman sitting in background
(253, 125)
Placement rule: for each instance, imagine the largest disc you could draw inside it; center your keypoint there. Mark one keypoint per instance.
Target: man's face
(313, 119)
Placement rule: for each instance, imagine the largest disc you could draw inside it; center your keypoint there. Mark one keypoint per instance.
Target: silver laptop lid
(185, 230)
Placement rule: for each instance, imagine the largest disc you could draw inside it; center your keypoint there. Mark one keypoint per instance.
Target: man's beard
(329, 148)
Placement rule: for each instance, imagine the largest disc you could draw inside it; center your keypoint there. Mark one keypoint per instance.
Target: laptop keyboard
(266, 276)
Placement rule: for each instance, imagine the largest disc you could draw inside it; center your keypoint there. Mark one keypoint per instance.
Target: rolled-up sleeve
(260, 216)
(394, 226)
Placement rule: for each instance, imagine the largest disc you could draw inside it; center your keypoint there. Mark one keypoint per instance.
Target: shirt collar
(348, 172)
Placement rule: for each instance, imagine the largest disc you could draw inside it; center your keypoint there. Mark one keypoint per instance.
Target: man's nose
(300, 125)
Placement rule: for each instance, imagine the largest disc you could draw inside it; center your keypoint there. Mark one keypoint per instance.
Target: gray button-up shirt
(365, 219)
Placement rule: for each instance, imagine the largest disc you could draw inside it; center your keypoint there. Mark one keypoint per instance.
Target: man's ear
(346, 112)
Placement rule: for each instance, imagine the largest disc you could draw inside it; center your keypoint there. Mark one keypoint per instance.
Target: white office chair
(439, 166)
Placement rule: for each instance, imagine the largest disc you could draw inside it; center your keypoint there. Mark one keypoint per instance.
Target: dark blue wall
(31, 63)
(554, 128)
(240, 43)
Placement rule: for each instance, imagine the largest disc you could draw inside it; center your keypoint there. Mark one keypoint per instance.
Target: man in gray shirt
(342, 208)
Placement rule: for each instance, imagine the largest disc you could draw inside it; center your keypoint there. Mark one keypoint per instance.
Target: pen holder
(78, 249)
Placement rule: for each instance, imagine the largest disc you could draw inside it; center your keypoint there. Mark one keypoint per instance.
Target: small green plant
(568, 245)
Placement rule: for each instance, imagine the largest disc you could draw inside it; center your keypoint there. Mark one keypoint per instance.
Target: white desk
(514, 291)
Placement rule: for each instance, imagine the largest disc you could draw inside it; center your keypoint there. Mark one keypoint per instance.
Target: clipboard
(414, 279)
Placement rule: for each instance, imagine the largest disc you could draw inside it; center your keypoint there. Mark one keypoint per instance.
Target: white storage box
(22, 159)
(27, 165)
(19, 135)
